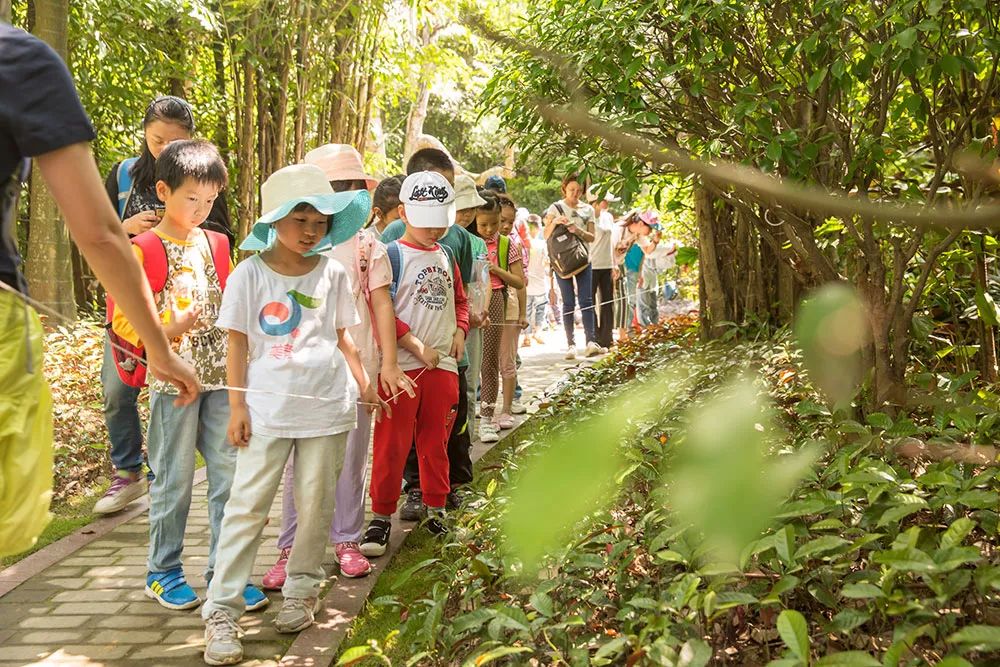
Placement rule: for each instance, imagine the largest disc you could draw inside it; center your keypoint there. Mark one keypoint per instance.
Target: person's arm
(427, 355)
(585, 234)
(72, 178)
(512, 278)
(369, 396)
(239, 429)
(391, 377)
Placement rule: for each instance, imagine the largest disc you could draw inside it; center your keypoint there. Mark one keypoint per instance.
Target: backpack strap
(396, 262)
(154, 259)
(125, 184)
(219, 243)
(503, 252)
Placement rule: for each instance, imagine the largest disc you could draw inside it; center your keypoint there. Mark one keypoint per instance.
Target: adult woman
(571, 216)
(131, 186)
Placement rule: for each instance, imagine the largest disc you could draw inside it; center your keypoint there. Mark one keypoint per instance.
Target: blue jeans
(648, 311)
(121, 416)
(584, 293)
(535, 312)
(174, 434)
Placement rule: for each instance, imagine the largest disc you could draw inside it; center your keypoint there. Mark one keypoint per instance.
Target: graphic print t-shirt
(290, 323)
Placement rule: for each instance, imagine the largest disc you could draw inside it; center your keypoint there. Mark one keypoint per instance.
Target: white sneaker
(517, 407)
(296, 614)
(593, 349)
(488, 432)
(222, 640)
(570, 353)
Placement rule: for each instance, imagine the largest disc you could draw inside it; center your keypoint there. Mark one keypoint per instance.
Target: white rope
(41, 307)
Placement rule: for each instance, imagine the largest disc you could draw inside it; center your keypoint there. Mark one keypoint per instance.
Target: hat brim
(430, 216)
(349, 212)
(472, 200)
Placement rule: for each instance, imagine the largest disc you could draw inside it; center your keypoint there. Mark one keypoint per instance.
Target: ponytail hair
(168, 109)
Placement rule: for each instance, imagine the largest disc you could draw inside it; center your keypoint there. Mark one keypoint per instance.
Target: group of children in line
(391, 302)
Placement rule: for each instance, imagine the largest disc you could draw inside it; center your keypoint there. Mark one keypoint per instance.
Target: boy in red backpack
(187, 269)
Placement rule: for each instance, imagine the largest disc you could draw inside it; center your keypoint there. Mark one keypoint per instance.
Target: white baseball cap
(428, 199)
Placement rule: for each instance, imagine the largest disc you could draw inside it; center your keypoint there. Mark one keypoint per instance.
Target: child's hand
(394, 381)
(523, 322)
(458, 345)
(239, 426)
(181, 322)
(373, 403)
(430, 357)
(475, 320)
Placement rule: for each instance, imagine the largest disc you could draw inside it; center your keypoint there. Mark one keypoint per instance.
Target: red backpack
(127, 356)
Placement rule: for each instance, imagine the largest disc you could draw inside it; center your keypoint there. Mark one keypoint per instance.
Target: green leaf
(849, 619)
(897, 512)
(404, 576)
(980, 637)
(794, 632)
(493, 654)
(956, 532)
(831, 329)
(784, 544)
(906, 560)
(954, 661)
(907, 38)
(818, 546)
(847, 659)
(861, 591)
(612, 648)
(816, 80)
(774, 151)
(951, 66)
(356, 654)
(694, 653)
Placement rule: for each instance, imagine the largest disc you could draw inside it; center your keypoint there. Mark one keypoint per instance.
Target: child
(505, 274)
(367, 266)
(430, 300)
(538, 282)
(629, 255)
(458, 242)
(287, 311)
(467, 203)
(187, 269)
(515, 323)
(385, 204)
(131, 186)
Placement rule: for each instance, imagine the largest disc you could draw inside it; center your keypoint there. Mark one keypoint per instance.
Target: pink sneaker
(352, 562)
(275, 577)
(505, 421)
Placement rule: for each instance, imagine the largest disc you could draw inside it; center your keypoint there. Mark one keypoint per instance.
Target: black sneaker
(413, 507)
(455, 498)
(376, 538)
(436, 524)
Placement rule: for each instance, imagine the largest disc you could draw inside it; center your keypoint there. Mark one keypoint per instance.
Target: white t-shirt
(291, 326)
(378, 274)
(600, 249)
(425, 300)
(579, 216)
(538, 268)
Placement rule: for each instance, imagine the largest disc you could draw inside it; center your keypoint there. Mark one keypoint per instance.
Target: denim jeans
(583, 292)
(121, 416)
(631, 291)
(535, 312)
(174, 434)
(648, 311)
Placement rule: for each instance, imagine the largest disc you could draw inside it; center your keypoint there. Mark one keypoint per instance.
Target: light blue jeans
(535, 312)
(174, 435)
(648, 296)
(474, 351)
(631, 292)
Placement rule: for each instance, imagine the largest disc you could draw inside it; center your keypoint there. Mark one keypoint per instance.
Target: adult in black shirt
(41, 117)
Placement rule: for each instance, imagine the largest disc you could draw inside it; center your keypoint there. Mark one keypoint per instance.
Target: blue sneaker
(171, 590)
(254, 598)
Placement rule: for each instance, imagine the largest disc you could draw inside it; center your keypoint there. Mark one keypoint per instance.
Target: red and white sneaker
(275, 577)
(352, 562)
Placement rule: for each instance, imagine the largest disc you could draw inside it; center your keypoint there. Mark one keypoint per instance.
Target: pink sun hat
(340, 162)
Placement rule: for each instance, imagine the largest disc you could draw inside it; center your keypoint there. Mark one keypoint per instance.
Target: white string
(41, 307)
(596, 305)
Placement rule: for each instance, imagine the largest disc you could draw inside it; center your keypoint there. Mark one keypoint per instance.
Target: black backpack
(567, 252)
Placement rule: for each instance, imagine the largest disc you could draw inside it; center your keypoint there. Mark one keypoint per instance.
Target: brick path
(89, 608)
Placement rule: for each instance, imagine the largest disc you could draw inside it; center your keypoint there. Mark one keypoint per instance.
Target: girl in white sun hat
(287, 310)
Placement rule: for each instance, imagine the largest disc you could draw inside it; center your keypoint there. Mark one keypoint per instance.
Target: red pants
(425, 420)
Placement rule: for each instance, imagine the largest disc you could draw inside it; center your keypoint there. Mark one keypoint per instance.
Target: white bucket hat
(340, 162)
(466, 195)
(307, 184)
(428, 199)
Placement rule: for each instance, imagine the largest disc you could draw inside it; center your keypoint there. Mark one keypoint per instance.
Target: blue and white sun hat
(306, 183)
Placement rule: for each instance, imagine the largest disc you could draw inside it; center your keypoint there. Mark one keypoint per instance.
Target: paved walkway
(80, 601)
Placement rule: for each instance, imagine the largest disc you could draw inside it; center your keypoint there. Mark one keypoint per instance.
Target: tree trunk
(715, 296)
(302, 82)
(987, 346)
(49, 261)
(222, 127)
(417, 116)
(5, 10)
